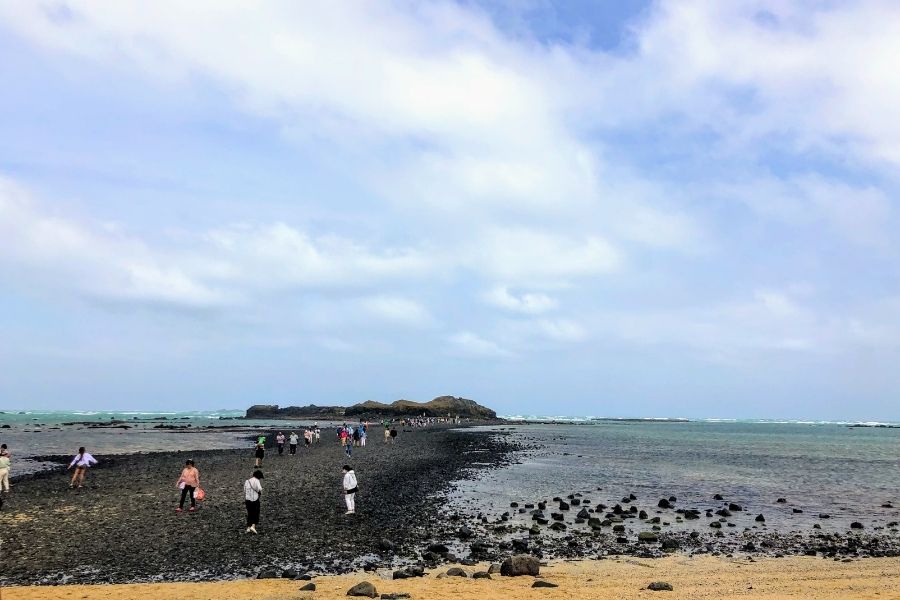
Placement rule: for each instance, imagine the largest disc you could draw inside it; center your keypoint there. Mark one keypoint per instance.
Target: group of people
(310, 436)
(350, 436)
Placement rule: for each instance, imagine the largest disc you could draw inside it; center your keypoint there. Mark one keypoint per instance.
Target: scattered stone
(760, 519)
(540, 583)
(663, 503)
(268, 574)
(648, 537)
(520, 564)
(481, 575)
(438, 548)
(364, 589)
(856, 525)
(465, 533)
(781, 501)
(735, 507)
(660, 586)
(309, 587)
(583, 514)
(824, 516)
(718, 497)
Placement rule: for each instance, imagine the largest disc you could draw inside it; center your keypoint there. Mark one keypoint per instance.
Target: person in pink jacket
(188, 482)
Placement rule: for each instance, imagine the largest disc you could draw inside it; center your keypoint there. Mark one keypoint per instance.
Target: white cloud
(528, 303)
(472, 344)
(529, 257)
(398, 310)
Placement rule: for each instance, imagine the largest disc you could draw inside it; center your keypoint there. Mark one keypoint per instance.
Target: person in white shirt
(81, 462)
(252, 491)
(350, 489)
(293, 440)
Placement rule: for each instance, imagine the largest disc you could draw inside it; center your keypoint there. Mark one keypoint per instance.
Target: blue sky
(606, 208)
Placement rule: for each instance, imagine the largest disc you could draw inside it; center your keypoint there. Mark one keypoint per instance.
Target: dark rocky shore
(122, 526)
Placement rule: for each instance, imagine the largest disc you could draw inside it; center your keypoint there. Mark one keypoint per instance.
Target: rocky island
(442, 406)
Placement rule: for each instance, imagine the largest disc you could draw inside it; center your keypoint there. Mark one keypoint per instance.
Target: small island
(440, 407)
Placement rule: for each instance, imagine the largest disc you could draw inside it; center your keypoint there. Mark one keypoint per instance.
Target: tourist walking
(252, 491)
(393, 434)
(189, 483)
(82, 461)
(5, 465)
(279, 441)
(387, 432)
(362, 435)
(260, 451)
(348, 444)
(350, 489)
(307, 438)
(293, 440)
(356, 436)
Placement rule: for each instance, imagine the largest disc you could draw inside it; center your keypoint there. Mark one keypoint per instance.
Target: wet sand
(623, 579)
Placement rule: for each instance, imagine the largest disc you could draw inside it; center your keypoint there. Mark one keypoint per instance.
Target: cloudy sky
(621, 208)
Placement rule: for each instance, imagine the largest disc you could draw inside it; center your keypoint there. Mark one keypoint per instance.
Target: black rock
(648, 537)
(514, 505)
(856, 525)
(760, 519)
(289, 574)
(663, 503)
(303, 577)
(781, 501)
(481, 575)
(438, 548)
(797, 511)
(718, 497)
(267, 574)
(540, 583)
(642, 515)
(385, 545)
(395, 596)
(309, 587)
(723, 512)
(824, 516)
(583, 514)
(660, 586)
(520, 564)
(563, 506)
(465, 533)
(735, 507)
(520, 545)
(364, 589)
(456, 572)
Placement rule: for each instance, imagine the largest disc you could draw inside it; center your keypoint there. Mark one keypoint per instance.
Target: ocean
(819, 468)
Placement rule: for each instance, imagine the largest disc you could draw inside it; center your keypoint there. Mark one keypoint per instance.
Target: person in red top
(188, 482)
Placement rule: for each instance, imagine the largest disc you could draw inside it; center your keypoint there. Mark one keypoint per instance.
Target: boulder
(456, 572)
(494, 568)
(309, 587)
(268, 574)
(520, 564)
(735, 507)
(760, 519)
(583, 514)
(660, 586)
(481, 575)
(856, 525)
(364, 589)
(663, 503)
(540, 583)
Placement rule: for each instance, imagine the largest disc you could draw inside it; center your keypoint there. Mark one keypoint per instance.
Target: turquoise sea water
(847, 472)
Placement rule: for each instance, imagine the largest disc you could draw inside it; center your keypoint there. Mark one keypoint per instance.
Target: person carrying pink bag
(189, 483)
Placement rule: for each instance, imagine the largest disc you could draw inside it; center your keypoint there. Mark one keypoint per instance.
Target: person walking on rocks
(393, 434)
(348, 444)
(252, 491)
(260, 451)
(5, 465)
(387, 432)
(356, 435)
(350, 489)
(294, 439)
(188, 482)
(279, 441)
(81, 462)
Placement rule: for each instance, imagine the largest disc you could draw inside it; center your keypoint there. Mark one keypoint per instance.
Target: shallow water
(818, 468)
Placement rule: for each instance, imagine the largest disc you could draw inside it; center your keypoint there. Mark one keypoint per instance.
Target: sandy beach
(620, 579)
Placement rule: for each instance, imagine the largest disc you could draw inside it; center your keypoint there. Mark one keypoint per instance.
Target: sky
(612, 208)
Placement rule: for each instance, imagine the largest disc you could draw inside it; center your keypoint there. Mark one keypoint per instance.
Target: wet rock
(824, 516)
(557, 516)
(363, 589)
(309, 587)
(558, 526)
(618, 528)
(520, 545)
(723, 512)
(465, 533)
(670, 544)
(540, 583)
(856, 525)
(718, 497)
(643, 515)
(438, 548)
(514, 505)
(760, 519)
(660, 586)
(781, 501)
(583, 514)
(797, 511)
(386, 545)
(648, 537)
(564, 506)
(663, 503)
(715, 525)
(289, 574)
(735, 507)
(520, 564)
